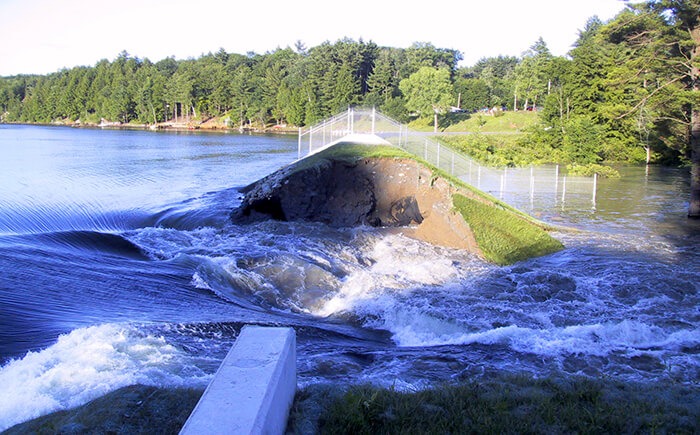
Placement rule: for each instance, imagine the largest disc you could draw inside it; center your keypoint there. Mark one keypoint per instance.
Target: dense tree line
(295, 86)
(626, 91)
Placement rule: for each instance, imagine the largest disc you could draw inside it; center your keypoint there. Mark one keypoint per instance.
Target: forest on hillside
(624, 93)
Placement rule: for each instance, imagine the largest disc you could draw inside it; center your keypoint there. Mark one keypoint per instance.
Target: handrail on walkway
(504, 182)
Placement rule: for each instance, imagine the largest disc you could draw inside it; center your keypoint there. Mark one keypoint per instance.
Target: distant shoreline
(167, 126)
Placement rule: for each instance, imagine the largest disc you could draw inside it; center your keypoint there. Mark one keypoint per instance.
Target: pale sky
(43, 36)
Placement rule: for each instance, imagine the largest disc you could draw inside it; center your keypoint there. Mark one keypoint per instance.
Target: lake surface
(119, 265)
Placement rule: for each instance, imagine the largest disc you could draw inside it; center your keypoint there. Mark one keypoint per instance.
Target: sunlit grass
(499, 150)
(353, 151)
(505, 122)
(504, 237)
(350, 152)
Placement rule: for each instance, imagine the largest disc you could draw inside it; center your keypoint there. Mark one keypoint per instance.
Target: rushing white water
(88, 363)
(120, 266)
(570, 304)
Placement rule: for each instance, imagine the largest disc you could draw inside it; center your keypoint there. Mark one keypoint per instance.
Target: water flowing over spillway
(120, 266)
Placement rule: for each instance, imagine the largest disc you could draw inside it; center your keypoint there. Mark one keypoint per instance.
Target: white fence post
(595, 186)
(352, 120)
(299, 145)
(532, 184)
(563, 190)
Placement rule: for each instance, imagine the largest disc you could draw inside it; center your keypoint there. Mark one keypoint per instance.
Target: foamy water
(558, 307)
(88, 363)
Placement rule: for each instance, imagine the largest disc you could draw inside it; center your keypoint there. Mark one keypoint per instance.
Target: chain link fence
(542, 184)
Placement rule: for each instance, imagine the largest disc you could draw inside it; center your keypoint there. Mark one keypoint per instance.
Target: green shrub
(592, 168)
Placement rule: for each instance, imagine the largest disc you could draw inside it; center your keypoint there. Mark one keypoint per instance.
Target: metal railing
(508, 184)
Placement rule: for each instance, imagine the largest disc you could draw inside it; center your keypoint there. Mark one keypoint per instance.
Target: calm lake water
(118, 265)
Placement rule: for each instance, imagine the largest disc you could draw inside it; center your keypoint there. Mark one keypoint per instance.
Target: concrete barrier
(253, 389)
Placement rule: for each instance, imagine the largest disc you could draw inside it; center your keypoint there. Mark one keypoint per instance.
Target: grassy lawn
(506, 122)
(500, 405)
(501, 140)
(498, 150)
(493, 140)
(136, 409)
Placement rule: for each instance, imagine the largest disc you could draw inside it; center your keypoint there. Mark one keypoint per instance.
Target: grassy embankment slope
(505, 123)
(502, 140)
(503, 404)
(504, 235)
(493, 140)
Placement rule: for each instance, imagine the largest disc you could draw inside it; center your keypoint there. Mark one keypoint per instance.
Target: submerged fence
(540, 185)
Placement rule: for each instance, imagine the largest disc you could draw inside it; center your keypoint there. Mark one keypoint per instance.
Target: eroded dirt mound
(379, 192)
